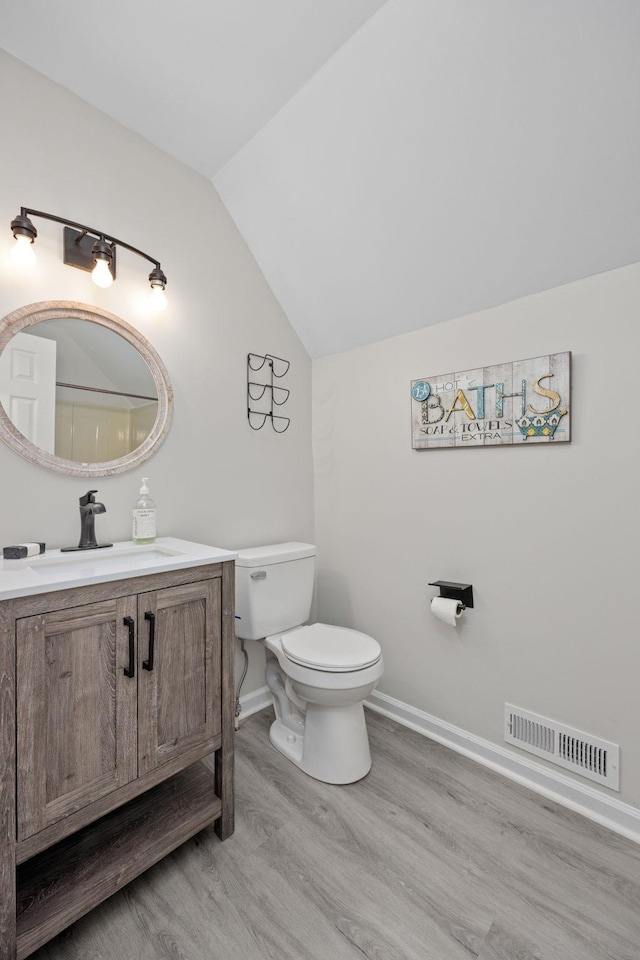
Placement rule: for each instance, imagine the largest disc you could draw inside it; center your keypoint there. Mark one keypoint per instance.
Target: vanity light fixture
(24, 233)
(86, 248)
(102, 254)
(158, 280)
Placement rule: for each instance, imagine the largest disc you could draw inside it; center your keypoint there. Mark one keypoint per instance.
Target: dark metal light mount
(22, 227)
(85, 248)
(157, 277)
(81, 250)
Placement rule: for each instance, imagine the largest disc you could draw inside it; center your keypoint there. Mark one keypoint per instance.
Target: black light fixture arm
(86, 248)
(99, 234)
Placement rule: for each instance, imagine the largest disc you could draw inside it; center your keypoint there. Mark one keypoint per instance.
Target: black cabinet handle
(130, 671)
(151, 617)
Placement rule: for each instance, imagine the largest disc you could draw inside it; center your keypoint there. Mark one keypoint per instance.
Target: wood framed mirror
(81, 391)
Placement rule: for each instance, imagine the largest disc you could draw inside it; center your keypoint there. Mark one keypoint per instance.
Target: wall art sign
(526, 401)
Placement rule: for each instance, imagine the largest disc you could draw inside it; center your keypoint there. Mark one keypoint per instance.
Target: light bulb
(23, 253)
(158, 299)
(101, 274)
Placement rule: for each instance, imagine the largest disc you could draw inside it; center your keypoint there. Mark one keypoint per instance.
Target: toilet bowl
(320, 723)
(318, 674)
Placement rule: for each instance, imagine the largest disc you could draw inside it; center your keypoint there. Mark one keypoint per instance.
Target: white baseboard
(254, 702)
(612, 813)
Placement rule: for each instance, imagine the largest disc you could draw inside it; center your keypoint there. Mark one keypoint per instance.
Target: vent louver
(586, 755)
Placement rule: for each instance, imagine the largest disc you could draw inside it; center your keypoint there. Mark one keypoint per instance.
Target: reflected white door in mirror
(81, 391)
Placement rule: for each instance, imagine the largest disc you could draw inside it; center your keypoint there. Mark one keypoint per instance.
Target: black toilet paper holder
(462, 592)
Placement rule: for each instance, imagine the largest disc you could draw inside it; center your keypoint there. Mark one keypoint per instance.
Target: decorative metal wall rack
(265, 392)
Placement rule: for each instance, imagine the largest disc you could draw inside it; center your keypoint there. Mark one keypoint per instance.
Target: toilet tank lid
(274, 553)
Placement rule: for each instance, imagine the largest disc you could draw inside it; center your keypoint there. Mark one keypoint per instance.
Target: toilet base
(334, 746)
(286, 742)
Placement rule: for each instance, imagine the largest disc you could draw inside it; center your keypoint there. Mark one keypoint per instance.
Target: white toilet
(319, 675)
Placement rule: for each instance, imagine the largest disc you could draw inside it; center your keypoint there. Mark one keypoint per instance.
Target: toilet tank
(274, 586)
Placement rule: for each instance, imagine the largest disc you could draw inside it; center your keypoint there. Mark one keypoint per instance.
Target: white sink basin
(55, 570)
(130, 557)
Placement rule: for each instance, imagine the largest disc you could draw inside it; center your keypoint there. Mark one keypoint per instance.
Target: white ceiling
(390, 165)
(196, 78)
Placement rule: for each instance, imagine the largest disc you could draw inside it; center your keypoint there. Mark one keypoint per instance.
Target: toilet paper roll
(449, 611)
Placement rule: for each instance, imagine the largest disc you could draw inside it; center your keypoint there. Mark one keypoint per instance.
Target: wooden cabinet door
(179, 683)
(76, 710)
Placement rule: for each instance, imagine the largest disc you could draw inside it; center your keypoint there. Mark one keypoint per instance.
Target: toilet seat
(332, 649)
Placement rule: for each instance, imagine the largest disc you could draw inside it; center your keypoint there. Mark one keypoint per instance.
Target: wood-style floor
(430, 857)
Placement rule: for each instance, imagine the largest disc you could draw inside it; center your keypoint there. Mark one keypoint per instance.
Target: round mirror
(81, 392)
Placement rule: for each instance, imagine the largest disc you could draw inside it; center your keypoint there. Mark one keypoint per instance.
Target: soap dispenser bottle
(144, 516)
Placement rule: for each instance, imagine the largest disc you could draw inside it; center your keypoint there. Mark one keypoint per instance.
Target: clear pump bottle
(144, 516)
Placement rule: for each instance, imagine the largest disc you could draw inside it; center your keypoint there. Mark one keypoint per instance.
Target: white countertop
(54, 570)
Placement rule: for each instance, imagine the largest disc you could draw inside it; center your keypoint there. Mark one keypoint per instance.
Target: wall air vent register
(572, 749)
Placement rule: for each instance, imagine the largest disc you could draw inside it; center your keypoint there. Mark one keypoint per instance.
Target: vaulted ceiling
(390, 165)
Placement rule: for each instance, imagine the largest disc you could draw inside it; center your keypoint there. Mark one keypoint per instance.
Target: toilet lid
(323, 647)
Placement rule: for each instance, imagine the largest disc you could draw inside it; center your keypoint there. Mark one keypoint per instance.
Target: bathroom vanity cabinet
(111, 696)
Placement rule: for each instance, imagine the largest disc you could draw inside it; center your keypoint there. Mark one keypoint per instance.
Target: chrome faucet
(88, 510)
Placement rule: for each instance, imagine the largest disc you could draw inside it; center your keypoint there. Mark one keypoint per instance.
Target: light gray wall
(214, 480)
(548, 535)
